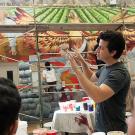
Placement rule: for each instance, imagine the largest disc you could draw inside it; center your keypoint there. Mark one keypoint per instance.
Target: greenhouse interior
(67, 61)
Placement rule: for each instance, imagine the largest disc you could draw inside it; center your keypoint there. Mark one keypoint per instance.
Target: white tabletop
(65, 121)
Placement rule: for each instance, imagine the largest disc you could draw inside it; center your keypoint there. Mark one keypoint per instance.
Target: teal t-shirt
(110, 114)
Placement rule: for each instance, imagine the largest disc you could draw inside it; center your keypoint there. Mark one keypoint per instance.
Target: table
(65, 121)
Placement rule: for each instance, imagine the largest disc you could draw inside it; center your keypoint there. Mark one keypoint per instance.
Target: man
(113, 82)
(49, 76)
(10, 103)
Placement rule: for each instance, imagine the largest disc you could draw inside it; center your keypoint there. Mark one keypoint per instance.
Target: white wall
(4, 67)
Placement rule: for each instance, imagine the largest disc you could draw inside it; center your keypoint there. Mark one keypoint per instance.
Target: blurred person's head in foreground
(10, 103)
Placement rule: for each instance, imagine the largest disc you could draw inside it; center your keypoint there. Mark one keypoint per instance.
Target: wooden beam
(62, 27)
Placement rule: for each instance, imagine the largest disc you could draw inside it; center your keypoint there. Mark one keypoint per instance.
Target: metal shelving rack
(64, 27)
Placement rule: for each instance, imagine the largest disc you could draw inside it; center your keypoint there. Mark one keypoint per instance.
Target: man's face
(102, 51)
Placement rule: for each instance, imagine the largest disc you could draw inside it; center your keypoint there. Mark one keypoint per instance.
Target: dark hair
(116, 42)
(47, 65)
(10, 103)
(98, 39)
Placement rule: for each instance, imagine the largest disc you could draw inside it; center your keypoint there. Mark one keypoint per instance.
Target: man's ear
(113, 52)
(13, 128)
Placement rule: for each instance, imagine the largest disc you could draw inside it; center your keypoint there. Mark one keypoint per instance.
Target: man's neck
(111, 62)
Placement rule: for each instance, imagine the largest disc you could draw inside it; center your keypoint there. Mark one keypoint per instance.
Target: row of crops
(52, 15)
(86, 14)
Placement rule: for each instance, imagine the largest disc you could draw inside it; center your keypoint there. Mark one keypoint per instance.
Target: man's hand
(78, 55)
(81, 119)
(73, 61)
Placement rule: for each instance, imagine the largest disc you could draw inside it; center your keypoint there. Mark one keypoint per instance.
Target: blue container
(77, 108)
(90, 107)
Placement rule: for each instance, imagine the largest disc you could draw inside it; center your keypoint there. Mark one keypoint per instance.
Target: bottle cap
(51, 132)
(85, 98)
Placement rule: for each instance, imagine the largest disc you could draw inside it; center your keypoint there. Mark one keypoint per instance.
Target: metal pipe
(39, 75)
